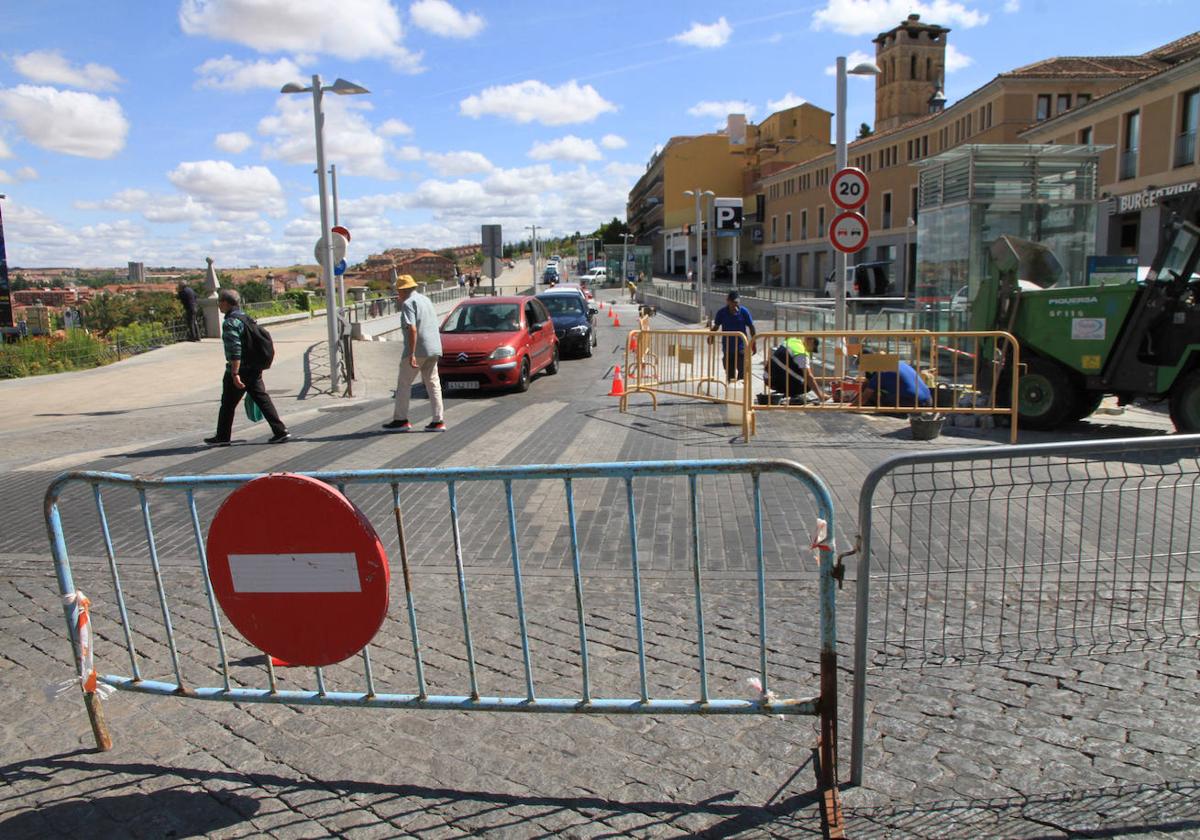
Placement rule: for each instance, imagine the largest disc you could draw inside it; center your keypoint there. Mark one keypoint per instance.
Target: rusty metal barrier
(687, 363)
(967, 373)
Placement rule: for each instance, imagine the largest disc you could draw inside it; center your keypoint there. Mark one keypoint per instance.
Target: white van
(596, 276)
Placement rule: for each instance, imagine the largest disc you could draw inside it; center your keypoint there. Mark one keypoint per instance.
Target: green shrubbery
(53, 354)
(140, 336)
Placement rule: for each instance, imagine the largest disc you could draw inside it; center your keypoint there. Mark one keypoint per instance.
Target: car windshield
(484, 317)
(564, 305)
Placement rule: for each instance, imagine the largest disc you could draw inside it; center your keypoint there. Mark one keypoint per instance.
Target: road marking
(499, 442)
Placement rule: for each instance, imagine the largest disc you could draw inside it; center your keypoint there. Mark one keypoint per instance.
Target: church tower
(912, 62)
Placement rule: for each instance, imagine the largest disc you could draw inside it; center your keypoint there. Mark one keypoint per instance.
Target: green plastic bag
(252, 410)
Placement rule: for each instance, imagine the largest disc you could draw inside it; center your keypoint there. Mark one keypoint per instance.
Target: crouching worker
(901, 388)
(789, 371)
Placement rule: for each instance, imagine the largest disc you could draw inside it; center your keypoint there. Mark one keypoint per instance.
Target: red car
(497, 342)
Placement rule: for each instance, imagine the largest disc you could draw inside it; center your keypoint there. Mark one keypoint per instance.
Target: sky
(156, 131)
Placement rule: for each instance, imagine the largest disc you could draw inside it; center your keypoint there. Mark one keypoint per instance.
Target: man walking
(733, 318)
(187, 297)
(243, 375)
(422, 349)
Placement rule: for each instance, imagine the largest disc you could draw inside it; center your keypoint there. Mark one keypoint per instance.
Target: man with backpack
(248, 352)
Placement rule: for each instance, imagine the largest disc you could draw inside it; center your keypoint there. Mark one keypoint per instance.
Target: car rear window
(484, 317)
(563, 304)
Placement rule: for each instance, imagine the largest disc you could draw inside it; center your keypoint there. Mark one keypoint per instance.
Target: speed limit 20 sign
(849, 188)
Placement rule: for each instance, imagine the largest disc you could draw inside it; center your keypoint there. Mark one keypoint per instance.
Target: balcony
(1128, 164)
(1185, 148)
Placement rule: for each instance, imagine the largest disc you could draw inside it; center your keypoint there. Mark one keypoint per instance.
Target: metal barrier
(685, 363)
(380, 307)
(949, 364)
(1013, 553)
(478, 504)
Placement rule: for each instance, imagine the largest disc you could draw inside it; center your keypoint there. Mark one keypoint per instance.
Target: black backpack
(258, 348)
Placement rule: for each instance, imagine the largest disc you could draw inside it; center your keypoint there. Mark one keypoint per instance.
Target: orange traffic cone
(616, 320)
(633, 342)
(279, 663)
(618, 385)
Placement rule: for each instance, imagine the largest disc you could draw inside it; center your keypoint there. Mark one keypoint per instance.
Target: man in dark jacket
(241, 380)
(187, 296)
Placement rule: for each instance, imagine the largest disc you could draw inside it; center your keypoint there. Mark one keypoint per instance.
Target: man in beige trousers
(422, 349)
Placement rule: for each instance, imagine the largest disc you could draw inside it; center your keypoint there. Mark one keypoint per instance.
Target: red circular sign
(849, 188)
(298, 569)
(848, 232)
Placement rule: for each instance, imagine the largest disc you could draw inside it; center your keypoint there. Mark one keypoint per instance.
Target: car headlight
(579, 330)
(503, 353)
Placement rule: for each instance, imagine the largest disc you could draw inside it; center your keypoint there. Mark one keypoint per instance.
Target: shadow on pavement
(185, 812)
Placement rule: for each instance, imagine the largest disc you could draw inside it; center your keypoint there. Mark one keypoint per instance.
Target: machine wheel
(552, 368)
(523, 382)
(588, 345)
(1185, 403)
(1046, 393)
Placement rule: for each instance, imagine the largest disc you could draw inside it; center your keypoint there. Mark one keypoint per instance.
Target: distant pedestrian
(187, 296)
(734, 318)
(241, 379)
(422, 350)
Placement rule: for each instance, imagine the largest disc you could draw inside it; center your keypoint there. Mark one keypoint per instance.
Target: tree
(864, 130)
(252, 291)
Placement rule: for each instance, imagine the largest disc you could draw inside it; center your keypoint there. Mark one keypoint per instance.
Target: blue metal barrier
(821, 702)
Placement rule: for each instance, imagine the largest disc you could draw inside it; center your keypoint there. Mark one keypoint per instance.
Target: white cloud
(956, 60)
(440, 18)
(153, 208)
(49, 67)
(855, 58)
(531, 101)
(394, 128)
(226, 188)
(613, 141)
(5, 178)
(566, 148)
(66, 121)
(233, 142)
(870, 17)
(458, 163)
(722, 109)
(409, 153)
(27, 173)
(5, 152)
(788, 100)
(706, 36)
(1012, 6)
(350, 140)
(350, 29)
(229, 73)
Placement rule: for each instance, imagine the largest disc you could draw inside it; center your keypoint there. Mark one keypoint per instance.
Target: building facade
(1149, 163)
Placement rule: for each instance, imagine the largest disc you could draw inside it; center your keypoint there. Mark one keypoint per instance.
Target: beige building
(1150, 162)
(798, 206)
(730, 164)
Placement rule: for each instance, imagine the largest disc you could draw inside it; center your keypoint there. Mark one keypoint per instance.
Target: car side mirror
(593, 310)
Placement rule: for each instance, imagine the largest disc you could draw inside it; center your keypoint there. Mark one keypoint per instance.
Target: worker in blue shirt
(902, 388)
(733, 317)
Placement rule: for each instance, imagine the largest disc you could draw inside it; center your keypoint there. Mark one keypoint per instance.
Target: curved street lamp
(699, 195)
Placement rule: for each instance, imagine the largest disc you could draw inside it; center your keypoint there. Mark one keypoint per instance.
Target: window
(1082, 99)
(787, 228)
(886, 221)
(928, 68)
(1085, 136)
(989, 115)
(774, 228)
(1062, 103)
(925, 145)
(821, 221)
(1043, 107)
(912, 67)
(1189, 112)
(1129, 147)
(912, 204)
(910, 153)
(804, 224)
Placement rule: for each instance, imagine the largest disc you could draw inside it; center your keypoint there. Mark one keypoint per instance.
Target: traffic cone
(279, 663)
(616, 320)
(618, 385)
(633, 342)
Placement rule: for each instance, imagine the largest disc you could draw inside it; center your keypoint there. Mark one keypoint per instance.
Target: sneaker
(436, 426)
(401, 425)
(283, 437)
(216, 441)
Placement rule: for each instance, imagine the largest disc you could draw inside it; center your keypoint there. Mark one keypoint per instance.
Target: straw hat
(405, 281)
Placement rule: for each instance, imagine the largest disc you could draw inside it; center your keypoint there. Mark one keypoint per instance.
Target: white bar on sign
(294, 572)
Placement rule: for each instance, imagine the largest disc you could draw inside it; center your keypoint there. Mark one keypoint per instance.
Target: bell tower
(912, 62)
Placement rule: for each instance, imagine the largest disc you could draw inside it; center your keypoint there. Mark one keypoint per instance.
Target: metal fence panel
(1019, 553)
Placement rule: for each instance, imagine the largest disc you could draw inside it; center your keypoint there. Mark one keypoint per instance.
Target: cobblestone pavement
(1102, 745)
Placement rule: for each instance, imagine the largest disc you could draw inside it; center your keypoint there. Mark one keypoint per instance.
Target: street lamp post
(533, 251)
(342, 88)
(864, 69)
(625, 237)
(699, 195)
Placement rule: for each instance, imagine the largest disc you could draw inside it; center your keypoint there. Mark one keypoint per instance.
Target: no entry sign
(848, 232)
(298, 569)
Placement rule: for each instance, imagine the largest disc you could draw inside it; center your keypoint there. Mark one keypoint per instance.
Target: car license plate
(456, 386)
